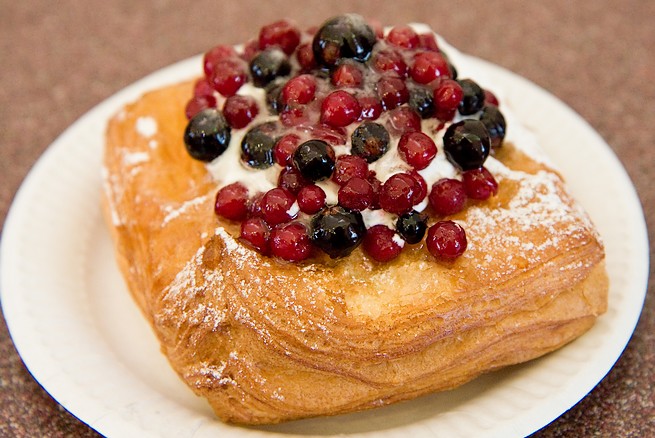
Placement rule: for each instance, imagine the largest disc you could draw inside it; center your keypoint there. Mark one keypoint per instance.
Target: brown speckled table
(59, 59)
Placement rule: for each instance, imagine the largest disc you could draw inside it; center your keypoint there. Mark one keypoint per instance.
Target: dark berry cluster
(345, 95)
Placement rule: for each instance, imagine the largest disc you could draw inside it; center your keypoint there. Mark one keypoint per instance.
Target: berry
(495, 123)
(446, 240)
(290, 242)
(269, 65)
(340, 108)
(389, 60)
(331, 135)
(294, 116)
(284, 148)
(376, 184)
(473, 98)
(429, 66)
(392, 92)
(281, 34)
(402, 120)
(479, 184)
(380, 243)
(349, 166)
(298, 91)
(421, 100)
(203, 87)
(356, 194)
(228, 76)
(398, 193)
(467, 144)
(345, 36)
(417, 149)
(371, 107)
(255, 205)
(215, 55)
(347, 76)
(250, 49)
(207, 135)
(277, 206)
(305, 57)
(232, 202)
(370, 141)
(337, 231)
(257, 146)
(274, 96)
(239, 111)
(411, 226)
(256, 233)
(447, 196)
(197, 104)
(311, 199)
(447, 97)
(490, 98)
(428, 41)
(421, 187)
(403, 36)
(291, 179)
(314, 159)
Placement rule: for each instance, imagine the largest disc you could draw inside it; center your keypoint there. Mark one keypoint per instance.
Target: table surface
(58, 62)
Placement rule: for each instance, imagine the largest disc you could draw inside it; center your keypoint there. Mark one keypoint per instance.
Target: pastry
(328, 222)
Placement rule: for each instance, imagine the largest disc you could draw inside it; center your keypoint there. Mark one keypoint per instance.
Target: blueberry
(370, 141)
(268, 65)
(207, 135)
(495, 123)
(337, 231)
(467, 144)
(258, 144)
(345, 36)
(421, 100)
(314, 159)
(473, 99)
(273, 93)
(411, 226)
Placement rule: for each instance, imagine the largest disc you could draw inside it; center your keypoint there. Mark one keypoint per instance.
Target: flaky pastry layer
(266, 341)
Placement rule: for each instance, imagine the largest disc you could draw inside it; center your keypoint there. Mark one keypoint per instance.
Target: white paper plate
(83, 339)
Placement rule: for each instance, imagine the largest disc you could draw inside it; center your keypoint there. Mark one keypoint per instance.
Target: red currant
(256, 233)
(216, 54)
(290, 242)
(311, 199)
(392, 92)
(479, 184)
(239, 111)
(347, 76)
(340, 108)
(429, 66)
(371, 107)
(447, 196)
(282, 34)
(446, 240)
(349, 166)
(428, 41)
(403, 120)
(299, 90)
(277, 206)
(447, 97)
(232, 202)
(197, 104)
(291, 179)
(356, 194)
(228, 76)
(390, 60)
(382, 243)
(490, 98)
(417, 149)
(305, 57)
(398, 193)
(284, 149)
(403, 36)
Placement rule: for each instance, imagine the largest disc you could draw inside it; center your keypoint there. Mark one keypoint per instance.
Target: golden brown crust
(266, 341)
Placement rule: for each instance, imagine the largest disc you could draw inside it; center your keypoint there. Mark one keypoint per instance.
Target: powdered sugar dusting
(146, 126)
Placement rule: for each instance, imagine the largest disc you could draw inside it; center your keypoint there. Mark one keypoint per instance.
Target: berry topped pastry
(334, 219)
